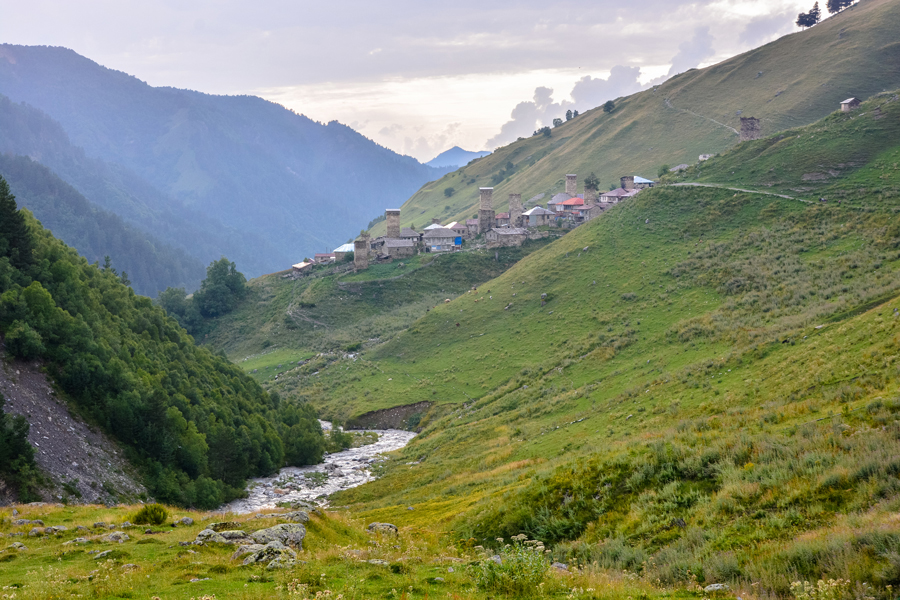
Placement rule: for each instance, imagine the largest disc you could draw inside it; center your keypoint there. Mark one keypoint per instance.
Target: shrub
(520, 571)
(151, 514)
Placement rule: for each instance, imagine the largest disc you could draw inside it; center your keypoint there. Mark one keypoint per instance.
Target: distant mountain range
(214, 175)
(455, 157)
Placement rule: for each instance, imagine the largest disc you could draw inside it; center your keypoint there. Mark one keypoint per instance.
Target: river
(340, 471)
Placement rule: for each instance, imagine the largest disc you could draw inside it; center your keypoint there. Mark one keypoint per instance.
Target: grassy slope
(804, 77)
(284, 321)
(723, 359)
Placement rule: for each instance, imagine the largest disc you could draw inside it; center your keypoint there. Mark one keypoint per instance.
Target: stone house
(613, 196)
(538, 216)
(410, 234)
(440, 239)
(502, 219)
(583, 214)
(459, 228)
(341, 252)
(472, 228)
(323, 258)
(399, 248)
(500, 237)
(302, 267)
(850, 103)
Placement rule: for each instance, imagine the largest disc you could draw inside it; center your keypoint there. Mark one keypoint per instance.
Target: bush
(521, 569)
(152, 514)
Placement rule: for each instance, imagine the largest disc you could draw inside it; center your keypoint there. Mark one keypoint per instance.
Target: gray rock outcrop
(291, 534)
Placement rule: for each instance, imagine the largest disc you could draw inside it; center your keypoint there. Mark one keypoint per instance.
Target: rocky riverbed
(340, 471)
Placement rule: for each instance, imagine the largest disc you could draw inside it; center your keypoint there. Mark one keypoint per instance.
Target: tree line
(195, 425)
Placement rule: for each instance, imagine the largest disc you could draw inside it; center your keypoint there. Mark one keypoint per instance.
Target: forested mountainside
(27, 131)
(699, 385)
(151, 265)
(793, 81)
(193, 423)
(249, 163)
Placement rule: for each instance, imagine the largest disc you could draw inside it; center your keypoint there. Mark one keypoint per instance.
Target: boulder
(100, 525)
(185, 521)
(103, 554)
(126, 525)
(291, 534)
(378, 561)
(716, 587)
(271, 551)
(36, 531)
(383, 528)
(282, 562)
(37, 522)
(56, 529)
(245, 550)
(208, 535)
(116, 536)
(559, 566)
(224, 525)
(233, 534)
(78, 540)
(298, 516)
(17, 546)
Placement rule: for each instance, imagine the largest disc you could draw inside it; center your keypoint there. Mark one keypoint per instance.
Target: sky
(417, 76)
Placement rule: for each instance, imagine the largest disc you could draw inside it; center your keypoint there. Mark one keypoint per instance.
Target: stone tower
(627, 182)
(750, 129)
(515, 210)
(572, 185)
(393, 222)
(486, 210)
(361, 253)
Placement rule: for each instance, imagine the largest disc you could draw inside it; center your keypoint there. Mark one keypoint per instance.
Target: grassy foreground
(340, 560)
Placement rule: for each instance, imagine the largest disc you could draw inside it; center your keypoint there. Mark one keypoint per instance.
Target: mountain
(455, 157)
(792, 81)
(248, 163)
(27, 131)
(151, 265)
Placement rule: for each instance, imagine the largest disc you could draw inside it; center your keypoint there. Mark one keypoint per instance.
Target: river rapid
(340, 471)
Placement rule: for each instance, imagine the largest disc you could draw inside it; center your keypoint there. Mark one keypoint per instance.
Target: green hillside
(708, 390)
(790, 82)
(192, 422)
(282, 321)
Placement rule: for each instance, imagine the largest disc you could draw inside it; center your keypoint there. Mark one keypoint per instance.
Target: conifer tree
(15, 239)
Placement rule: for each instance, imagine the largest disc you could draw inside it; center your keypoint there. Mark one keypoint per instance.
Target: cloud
(528, 116)
(692, 52)
(591, 92)
(766, 28)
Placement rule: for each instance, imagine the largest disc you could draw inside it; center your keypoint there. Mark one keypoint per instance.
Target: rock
(36, 531)
(130, 566)
(208, 535)
(496, 558)
(15, 513)
(116, 536)
(282, 562)
(81, 528)
(560, 566)
(223, 526)
(437, 580)
(245, 550)
(378, 561)
(298, 516)
(270, 552)
(450, 569)
(185, 521)
(234, 534)
(383, 528)
(410, 508)
(126, 525)
(78, 540)
(56, 529)
(17, 546)
(291, 534)
(103, 554)
(716, 587)
(37, 522)
(100, 525)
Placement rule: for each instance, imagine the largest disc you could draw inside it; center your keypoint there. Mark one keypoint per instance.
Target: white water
(345, 470)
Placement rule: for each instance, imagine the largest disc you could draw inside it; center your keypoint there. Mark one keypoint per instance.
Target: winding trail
(734, 189)
(673, 107)
(340, 471)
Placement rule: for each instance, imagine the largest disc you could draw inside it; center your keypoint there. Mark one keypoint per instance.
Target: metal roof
(344, 248)
(440, 232)
(407, 232)
(434, 226)
(642, 180)
(849, 100)
(537, 210)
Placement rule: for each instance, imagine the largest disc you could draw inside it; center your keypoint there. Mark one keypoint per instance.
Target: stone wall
(485, 210)
(627, 182)
(515, 210)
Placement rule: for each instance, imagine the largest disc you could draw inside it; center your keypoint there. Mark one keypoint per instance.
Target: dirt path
(690, 112)
(725, 187)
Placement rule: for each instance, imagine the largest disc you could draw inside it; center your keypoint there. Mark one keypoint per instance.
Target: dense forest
(96, 233)
(194, 424)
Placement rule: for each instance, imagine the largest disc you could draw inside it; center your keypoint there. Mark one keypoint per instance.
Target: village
(490, 229)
